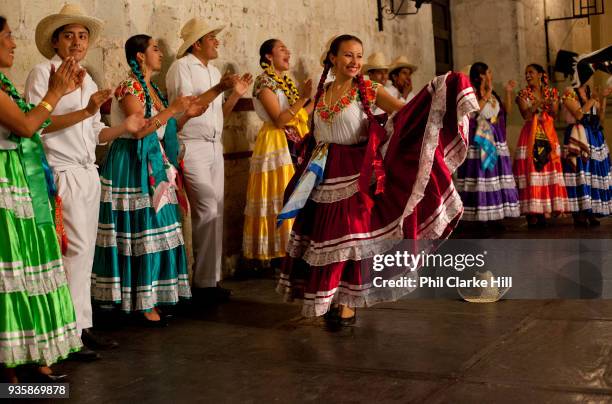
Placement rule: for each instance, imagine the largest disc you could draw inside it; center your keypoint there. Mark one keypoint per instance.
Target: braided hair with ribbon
(149, 148)
(139, 44)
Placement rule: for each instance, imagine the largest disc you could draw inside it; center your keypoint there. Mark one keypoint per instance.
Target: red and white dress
(343, 224)
(537, 163)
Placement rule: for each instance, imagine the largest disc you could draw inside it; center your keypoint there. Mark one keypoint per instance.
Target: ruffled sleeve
(524, 95)
(569, 94)
(263, 81)
(555, 94)
(371, 90)
(130, 87)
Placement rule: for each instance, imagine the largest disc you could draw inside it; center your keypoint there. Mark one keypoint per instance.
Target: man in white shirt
(70, 143)
(193, 74)
(400, 79)
(377, 69)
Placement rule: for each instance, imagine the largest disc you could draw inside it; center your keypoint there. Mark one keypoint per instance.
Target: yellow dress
(270, 172)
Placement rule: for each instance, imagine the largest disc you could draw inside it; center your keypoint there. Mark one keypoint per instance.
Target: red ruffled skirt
(540, 191)
(340, 229)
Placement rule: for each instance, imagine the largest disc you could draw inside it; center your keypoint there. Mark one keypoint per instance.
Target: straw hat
(69, 14)
(376, 61)
(193, 30)
(400, 62)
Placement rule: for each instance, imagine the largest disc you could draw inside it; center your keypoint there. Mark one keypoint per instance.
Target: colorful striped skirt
(488, 194)
(588, 181)
(140, 260)
(540, 191)
(270, 172)
(37, 320)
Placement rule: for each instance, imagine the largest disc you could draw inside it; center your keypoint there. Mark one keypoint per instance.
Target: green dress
(37, 320)
(140, 260)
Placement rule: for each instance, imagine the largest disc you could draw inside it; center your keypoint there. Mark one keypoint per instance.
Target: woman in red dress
(364, 188)
(537, 162)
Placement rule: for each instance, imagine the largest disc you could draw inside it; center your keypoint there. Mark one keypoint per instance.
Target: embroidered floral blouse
(130, 86)
(570, 94)
(551, 97)
(345, 122)
(264, 81)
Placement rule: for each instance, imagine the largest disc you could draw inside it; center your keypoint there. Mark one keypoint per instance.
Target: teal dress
(37, 320)
(140, 260)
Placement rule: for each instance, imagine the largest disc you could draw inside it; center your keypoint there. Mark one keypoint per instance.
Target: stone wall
(304, 25)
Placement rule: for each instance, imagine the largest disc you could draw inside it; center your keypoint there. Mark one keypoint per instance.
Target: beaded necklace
(285, 83)
(10, 89)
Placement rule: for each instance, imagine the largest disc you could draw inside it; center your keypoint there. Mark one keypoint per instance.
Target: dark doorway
(440, 15)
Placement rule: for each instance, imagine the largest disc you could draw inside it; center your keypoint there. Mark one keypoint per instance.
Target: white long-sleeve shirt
(391, 89)
(75, 145)
(189, 76)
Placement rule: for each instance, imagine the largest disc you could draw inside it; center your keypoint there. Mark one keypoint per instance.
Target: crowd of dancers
(340, 171)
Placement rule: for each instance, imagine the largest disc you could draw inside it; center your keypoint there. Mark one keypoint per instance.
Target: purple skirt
(488, 194)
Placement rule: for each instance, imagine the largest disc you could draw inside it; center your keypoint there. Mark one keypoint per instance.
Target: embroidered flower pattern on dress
(569, 94)
(550, 95)
(130, 86)
(328, 113)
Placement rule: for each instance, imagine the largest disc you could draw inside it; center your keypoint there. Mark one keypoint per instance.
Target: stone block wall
(304, 25)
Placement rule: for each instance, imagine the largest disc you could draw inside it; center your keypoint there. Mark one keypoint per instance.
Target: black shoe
(348, 321)
(33, 375)
(593, 221)
(496, 225)
(84, 355)
(332, 315)
(580, 222)
(94, 340)
(215, 294)
(53, 378)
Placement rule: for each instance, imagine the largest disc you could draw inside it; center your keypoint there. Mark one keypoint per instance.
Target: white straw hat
(69, 14)
(193, 30)
(401, 62)
(376, 61)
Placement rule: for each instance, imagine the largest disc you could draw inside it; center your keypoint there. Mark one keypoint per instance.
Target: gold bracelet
(46, 106)
(157, 123)
(291, 111)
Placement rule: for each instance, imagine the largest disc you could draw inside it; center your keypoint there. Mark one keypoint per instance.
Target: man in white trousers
(70, 144)
(193, 74)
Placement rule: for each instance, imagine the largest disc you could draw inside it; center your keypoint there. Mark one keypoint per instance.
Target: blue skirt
(589, 185)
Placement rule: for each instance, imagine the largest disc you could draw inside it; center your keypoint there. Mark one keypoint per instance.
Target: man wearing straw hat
(400, 73)
(193, 74)
(377, 69)
(70, 143)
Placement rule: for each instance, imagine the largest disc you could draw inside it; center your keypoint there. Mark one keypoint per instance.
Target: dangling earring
(143, 69)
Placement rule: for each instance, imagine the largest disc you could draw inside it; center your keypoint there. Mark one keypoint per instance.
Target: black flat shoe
(33, 375)
(53, 378)
(332, 315)
(95, 340)
(84, 355)
(346, 322)
(213, 295)
(594, 222)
